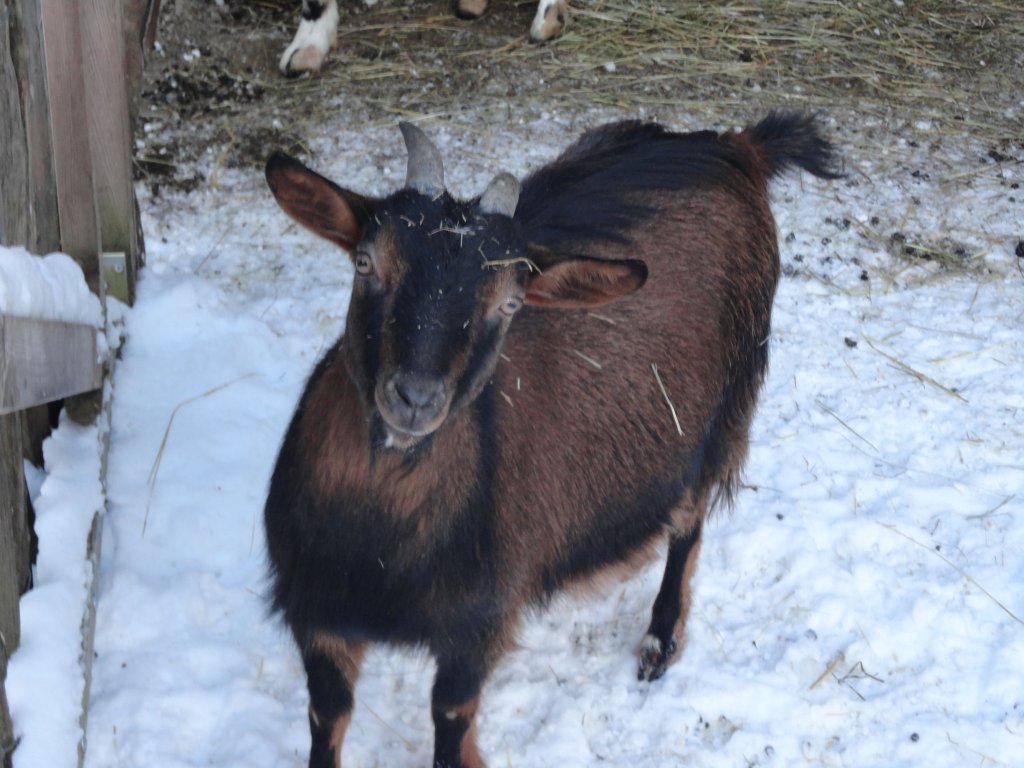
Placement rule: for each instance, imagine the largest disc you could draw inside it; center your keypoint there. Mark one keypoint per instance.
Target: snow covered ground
(860, 606)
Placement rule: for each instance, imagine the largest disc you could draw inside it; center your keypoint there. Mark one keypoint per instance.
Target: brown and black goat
(532, 386)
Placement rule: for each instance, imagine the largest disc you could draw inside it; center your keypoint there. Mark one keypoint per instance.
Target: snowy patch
(45, 678)
(860, 606)
(45, 287)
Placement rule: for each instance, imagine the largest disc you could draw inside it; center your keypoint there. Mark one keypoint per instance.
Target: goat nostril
(416, 391)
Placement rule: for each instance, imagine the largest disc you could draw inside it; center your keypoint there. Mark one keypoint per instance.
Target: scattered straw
(589, 359)
(494, 263)
(994, 510)
(155, 469)
(664, 393)
(846, 426)
(955, 567)
(927, 54)
(722, 62)
(922, 377)
(835, 662)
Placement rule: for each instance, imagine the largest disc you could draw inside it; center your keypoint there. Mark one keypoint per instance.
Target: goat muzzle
(412, 407)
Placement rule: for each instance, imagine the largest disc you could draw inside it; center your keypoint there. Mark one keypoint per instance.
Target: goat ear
(316, 203)
(581, 282)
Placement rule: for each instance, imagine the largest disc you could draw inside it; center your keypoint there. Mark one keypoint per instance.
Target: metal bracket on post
(115, 275)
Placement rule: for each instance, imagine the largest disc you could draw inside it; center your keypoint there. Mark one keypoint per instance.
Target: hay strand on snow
(955, 567)
(155, 468)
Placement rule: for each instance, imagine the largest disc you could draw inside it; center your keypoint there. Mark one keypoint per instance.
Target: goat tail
(786, 139)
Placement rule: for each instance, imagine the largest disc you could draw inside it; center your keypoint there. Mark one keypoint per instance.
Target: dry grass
(954, 63)
(922, 55)
(722, 61)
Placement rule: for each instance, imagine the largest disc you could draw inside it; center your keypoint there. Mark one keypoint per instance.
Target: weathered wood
(15, 550)
(15, 227)
(110, 135)
(44, 234)
(45, 360)
(152, 23)
(69, 129)
(14, 214)
(139, 18)
(69, 71)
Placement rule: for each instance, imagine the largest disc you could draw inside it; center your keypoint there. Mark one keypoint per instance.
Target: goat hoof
(303, 61)
(470, 9)
(654, 658)
(549, 22)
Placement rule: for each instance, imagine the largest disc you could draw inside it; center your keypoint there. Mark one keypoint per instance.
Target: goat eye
(364, 264)
(511, 306)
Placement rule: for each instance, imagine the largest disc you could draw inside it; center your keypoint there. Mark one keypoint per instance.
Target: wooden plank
(65, 81)
(103, 54)
(45, 360)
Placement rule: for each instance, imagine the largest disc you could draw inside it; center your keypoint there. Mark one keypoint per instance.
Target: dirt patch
(942, 68)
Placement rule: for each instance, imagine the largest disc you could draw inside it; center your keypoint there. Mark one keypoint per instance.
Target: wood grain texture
(69, 129)
(110, 135)
(45, 360)
(15, 549)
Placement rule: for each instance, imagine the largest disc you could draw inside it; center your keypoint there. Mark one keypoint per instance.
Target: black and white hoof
(655, 657)
(549, 21)
(470, 9)
(317, 34)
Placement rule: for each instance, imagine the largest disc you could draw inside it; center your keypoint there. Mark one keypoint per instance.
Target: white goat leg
(549, 21)
(317, 34)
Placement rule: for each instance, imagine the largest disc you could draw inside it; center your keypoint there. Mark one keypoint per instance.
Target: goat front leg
(454, 704)
(332, 666)
(316, 35)
(549, 21)
(470, 9)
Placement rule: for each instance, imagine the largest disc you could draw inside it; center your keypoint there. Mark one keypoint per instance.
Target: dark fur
(556, 469)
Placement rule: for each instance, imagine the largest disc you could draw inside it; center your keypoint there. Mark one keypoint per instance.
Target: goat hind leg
(664, 639)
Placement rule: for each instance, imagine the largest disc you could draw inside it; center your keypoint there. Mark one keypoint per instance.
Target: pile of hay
(958, 64)
(950, 65)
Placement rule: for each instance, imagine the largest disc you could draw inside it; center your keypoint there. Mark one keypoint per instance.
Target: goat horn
(501, 195)
(426, 171)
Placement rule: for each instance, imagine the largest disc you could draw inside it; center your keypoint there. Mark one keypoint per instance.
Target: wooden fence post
(14, 225)
(110, 137)
(14, 560)
(13, 146)
(69, 70)
(43, 235)
(72, 157)
(69, 129)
